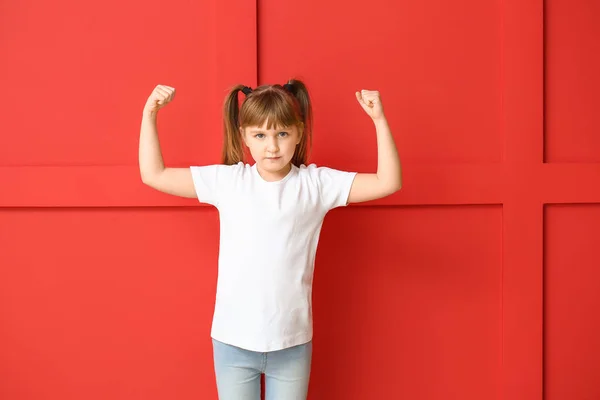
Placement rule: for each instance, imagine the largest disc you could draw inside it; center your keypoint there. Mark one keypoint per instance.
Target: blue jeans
(238, 372)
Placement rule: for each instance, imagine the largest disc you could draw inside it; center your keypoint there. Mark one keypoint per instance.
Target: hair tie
(247, 90)
(289, 88)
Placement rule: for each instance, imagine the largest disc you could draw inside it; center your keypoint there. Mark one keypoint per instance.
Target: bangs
(274, 108)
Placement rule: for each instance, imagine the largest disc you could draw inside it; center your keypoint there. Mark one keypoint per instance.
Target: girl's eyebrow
(279, 130)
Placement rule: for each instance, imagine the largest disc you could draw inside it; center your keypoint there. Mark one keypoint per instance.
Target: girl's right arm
(174, 181)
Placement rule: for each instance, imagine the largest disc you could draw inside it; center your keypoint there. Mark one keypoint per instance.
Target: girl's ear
(243, 136)
(300, 128)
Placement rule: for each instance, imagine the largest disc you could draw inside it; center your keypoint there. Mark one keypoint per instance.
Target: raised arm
(174, 181)
(388, 178)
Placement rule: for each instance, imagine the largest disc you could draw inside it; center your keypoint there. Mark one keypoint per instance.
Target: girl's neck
(274, 176)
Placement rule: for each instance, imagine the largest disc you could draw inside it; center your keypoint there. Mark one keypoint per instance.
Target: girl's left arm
(388, 178)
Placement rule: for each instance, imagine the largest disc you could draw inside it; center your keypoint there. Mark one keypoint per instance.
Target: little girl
(271, 213)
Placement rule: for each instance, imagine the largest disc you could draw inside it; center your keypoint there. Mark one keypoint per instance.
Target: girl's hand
(160, 97)
(371, 103)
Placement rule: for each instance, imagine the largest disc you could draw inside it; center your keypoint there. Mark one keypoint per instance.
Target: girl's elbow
(148, 178)
(392, 188)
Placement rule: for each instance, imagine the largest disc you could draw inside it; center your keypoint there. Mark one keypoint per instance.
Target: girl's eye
(283, 134)
(260, 136)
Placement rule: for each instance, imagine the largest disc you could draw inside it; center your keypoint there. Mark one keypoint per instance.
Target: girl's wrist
(380, 120)
(149, 114)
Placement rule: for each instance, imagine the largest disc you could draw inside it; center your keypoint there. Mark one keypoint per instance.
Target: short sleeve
(211, 182)
(334, 186)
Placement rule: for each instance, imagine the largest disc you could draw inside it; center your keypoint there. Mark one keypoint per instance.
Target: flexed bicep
(174, 181)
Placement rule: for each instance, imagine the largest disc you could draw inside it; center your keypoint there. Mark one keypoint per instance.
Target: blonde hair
(278, 105)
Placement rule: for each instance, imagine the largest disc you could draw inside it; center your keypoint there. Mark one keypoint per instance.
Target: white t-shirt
(269, 236)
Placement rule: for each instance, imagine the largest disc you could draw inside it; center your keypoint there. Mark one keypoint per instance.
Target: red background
(479, 280)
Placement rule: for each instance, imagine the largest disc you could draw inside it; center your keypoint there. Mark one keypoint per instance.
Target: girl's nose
(273, 146)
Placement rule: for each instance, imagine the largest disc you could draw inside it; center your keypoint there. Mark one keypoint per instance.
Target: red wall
(479, 280)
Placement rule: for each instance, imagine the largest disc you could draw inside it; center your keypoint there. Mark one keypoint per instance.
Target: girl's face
(271, 149)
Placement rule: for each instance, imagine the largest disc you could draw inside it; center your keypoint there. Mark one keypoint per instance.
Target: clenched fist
(160, 97)
(370, 101)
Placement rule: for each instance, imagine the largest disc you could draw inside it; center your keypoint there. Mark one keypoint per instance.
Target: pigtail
(233, 150)
(300, 92)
